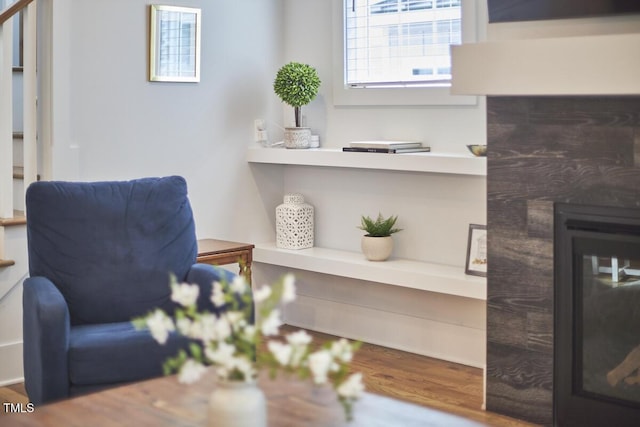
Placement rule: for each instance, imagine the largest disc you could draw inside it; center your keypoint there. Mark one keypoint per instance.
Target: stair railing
(29, 88)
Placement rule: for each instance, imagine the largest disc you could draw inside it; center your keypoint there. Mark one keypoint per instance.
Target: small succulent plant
(380, 227)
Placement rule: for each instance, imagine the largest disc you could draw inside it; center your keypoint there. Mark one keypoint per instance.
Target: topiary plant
(381, 227)
(297, 85)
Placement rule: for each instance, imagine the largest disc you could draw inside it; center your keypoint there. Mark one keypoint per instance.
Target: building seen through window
(400, 42)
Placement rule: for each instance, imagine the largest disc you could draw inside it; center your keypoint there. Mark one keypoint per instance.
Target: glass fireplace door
(596, 316)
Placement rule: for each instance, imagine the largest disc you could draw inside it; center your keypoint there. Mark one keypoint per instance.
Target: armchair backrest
(109, 247)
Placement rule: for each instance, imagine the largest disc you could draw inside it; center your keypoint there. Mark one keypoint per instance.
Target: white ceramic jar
(294, 223)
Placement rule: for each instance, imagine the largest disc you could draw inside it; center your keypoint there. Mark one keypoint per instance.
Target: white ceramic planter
(377, 248)
(237, 404)
(297, 137)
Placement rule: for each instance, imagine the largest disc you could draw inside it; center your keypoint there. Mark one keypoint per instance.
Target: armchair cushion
(117, 352)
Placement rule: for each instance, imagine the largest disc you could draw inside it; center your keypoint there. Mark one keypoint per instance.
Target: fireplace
(545, 151)
(597, 315)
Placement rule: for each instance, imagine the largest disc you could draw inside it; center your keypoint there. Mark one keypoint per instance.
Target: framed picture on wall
(477, 250)
(174, 44)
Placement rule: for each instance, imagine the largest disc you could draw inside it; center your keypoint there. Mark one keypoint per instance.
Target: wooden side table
(220, 252)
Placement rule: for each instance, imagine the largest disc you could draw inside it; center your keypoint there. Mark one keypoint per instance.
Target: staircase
(20, 156)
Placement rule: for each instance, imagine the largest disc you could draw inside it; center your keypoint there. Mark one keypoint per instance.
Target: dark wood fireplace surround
(543, 150)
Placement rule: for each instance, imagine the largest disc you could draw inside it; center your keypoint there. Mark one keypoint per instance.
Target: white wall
(15, 247)
(110, 122)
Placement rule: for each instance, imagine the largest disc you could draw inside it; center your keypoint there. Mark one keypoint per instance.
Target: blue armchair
(100, 254)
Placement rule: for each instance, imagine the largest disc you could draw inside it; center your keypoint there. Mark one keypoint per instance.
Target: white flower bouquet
(231, 340)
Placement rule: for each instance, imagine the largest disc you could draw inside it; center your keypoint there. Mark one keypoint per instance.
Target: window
(422, 84)
(400, 42)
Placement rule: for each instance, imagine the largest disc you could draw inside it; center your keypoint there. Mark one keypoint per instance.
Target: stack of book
(386, 147)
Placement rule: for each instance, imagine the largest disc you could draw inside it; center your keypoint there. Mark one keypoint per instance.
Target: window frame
(398, 96)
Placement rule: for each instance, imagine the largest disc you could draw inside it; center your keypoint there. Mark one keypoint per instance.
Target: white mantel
(586, 65)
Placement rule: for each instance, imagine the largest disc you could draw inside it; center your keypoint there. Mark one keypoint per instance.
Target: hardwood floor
(14, 393)
(437, 384)
(441, 385)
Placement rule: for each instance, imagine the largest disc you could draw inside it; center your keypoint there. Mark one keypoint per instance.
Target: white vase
(297, 137)
(237, 404)
(294, 223)
(377, 248)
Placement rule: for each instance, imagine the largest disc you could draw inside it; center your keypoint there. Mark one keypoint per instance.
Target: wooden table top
(213, 246)
(165, 402)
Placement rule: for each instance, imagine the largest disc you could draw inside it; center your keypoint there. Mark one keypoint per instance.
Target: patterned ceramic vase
(294, 223)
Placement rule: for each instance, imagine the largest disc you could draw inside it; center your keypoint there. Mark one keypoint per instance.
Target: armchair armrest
(46, 328)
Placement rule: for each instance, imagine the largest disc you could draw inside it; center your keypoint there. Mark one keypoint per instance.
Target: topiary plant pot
(297, 137)
(377, 248)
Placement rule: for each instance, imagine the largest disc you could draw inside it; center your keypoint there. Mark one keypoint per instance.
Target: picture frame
(476, 263)
(174, 43)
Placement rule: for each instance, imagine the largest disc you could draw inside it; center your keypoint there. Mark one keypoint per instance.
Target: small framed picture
(174, 44)
(477, 250)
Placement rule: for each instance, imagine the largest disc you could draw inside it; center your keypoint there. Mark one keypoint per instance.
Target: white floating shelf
(396, 272)
(448, 163)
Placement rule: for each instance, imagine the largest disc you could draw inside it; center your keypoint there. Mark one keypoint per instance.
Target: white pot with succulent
(227, 338)
(297, 84)
(377, 244)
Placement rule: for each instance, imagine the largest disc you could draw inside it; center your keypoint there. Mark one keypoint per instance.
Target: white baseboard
(11, 368)
(454, 343)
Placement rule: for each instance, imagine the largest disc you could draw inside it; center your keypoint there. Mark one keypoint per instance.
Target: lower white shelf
(424, 276)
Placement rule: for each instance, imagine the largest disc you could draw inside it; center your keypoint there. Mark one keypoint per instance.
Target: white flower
(261, 294)
(271, 324)
(236, 319)
(239, 285)
(298, 354)
(223, 355)
(191, 371)
(217, 294)
(342, 350)
(160, 325)
(183, 325)
(184, 294)
(319, 363)
(299, 342)
(289, 288)
(352, 388)
(210, 328)
(245, 367)
(226, 360)
(248, 333)
(222, 329)
(282, 352)
(299, 338)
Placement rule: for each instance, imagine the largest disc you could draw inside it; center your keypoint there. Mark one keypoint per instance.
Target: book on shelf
(385, 144)
(386, 150)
